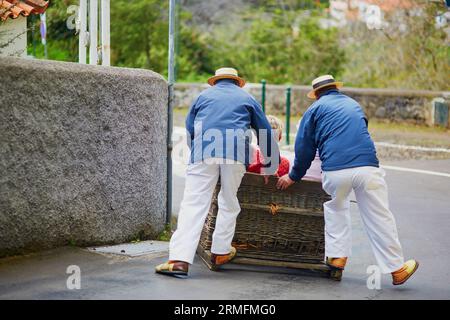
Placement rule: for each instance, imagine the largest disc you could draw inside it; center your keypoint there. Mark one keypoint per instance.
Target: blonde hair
(276, 124)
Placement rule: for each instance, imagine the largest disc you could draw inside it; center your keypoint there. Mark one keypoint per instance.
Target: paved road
(421, 204)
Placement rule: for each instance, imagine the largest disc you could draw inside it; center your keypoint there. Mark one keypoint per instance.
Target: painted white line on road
(406, 147)
(179, 130)
(432, 173)
(415, 148)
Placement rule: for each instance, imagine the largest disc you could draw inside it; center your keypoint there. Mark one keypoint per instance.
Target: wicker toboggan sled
(275, 228)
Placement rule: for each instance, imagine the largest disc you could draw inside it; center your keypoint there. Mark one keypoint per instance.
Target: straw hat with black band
(322, 82)
(226, 73)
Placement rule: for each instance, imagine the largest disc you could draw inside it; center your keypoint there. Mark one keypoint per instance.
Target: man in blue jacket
(219, 127)
(336, 125)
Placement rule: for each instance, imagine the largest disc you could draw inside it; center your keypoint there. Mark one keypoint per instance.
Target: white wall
(13, 37)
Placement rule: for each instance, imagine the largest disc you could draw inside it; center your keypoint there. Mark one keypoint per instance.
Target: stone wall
(82, 154)
(392, 105)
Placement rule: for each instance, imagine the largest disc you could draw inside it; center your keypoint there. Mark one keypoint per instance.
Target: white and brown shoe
(221, 259)
(173, 268)
(337, 263)
(404, 273)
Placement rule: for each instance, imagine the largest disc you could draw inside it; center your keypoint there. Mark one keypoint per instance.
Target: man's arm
(266, 140)
(190, 119)
(305, 147)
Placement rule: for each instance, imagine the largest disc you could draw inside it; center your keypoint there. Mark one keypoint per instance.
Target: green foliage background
(279, 41)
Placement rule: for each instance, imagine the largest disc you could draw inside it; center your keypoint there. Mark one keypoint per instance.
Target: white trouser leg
(230, 180)
(372, 197)
(338, 241)
(201, 180)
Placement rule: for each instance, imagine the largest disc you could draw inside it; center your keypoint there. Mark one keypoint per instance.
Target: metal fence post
(171, 81)
(93, 32)
(263, 95)
(288, 115)
(82, 40)
(106, 32)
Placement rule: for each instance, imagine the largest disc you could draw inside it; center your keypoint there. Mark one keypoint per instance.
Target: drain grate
(134, 249)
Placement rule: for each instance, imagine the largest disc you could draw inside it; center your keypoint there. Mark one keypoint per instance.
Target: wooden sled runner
(275, 228)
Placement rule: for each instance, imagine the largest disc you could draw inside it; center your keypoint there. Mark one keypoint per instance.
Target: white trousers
(372, 198)
(201, 180)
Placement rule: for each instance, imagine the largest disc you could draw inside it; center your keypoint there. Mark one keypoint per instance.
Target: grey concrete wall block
(82, 154)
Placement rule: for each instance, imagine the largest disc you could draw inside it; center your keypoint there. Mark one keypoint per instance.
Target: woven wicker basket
(284, 226)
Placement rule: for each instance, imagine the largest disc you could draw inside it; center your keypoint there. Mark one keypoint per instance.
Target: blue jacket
(219, 123)
(336, 125)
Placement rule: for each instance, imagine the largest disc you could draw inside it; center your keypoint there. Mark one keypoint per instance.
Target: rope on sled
(274, 208)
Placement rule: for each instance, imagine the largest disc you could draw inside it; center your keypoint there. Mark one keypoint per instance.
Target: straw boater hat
(227, 73)
(322, 82)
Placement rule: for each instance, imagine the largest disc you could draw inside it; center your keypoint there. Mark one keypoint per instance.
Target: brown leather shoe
(404, 273)
(221, 259)
(337, 263)
(173, 268)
